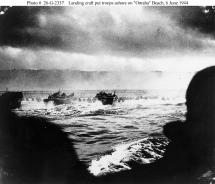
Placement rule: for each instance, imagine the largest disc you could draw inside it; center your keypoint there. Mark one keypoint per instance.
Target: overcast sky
(101, 38)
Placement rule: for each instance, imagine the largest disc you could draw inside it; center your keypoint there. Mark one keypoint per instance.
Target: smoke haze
(120, 39)
(83, 80)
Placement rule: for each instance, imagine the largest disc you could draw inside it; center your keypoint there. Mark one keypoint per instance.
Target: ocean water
(107, 138)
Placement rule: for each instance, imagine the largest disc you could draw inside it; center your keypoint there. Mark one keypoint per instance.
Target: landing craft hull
(107, 101)
(62, 101)
(106, 98)
(59, 101)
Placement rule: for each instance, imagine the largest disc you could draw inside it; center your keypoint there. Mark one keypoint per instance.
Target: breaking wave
(121, 156)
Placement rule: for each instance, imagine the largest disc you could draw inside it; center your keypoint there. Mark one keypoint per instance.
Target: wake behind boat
(59, 98)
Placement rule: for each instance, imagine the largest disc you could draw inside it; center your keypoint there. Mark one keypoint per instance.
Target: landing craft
(106, 98)
(59, 98)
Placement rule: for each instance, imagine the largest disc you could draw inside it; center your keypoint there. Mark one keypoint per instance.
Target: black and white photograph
(107, 94)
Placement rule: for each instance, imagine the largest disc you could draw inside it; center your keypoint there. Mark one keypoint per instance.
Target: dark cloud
(201, 19)
(20, 27)
(39, 27)
(119, 31)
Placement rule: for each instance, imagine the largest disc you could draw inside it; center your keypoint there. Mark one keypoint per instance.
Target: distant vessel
(59, 98)
(11, 99)
(106, 98)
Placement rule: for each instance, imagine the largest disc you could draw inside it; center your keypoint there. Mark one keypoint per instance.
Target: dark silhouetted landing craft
(59, 98)
(106, 98)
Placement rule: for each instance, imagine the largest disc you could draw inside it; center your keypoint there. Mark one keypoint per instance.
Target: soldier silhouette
(191, 150)
(33, 150)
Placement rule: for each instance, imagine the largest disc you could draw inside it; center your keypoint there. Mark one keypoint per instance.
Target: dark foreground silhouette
(33, 150)
(191, 150)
